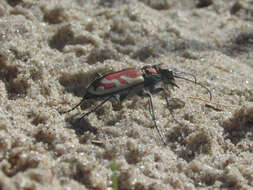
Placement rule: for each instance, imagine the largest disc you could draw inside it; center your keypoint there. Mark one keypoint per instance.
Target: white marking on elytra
(118, 85)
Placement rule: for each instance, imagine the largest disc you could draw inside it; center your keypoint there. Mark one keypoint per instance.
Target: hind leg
(96, 108)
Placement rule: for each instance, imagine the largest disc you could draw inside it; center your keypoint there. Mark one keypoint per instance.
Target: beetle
(129, 82)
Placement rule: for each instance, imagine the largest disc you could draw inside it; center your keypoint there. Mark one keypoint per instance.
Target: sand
(50, 51)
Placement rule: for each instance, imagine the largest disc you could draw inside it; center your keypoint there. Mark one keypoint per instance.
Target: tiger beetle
(129, 82)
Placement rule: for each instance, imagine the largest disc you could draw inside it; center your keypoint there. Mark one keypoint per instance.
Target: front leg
(157, 90)
(152, 112)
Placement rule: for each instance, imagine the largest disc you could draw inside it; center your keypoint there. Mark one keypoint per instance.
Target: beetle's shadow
(80, 126)
(77, 83)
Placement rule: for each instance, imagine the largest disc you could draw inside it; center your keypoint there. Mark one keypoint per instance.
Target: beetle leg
(117, 98)
(99, 75)
(157, 90)
(79, 104)
(152, 113)
(123, 96)
(96, 108)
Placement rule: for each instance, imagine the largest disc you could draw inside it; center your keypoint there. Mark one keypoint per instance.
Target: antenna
(177, 75)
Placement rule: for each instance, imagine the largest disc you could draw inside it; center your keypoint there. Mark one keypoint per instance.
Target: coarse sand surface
(51, 50)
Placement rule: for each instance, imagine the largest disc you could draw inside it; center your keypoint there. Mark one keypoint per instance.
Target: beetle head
(167, 75)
